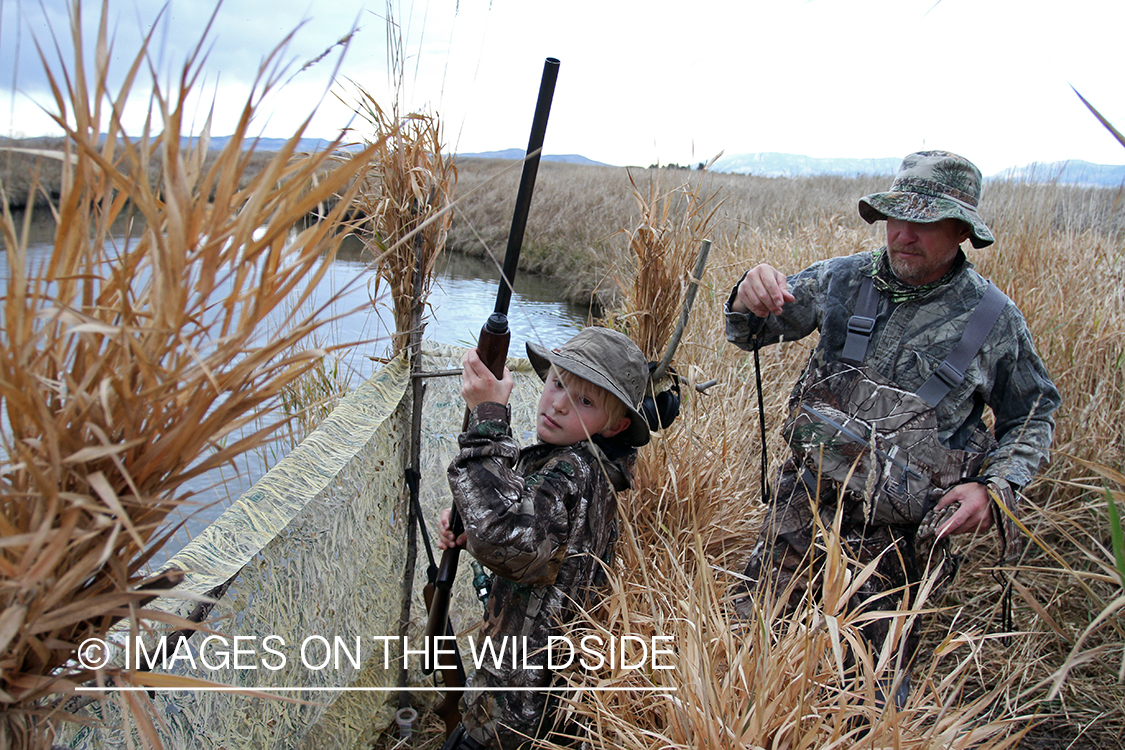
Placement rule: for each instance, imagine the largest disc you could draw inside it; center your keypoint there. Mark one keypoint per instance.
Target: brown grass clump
(129, 364)
(663, 247)
(407, 202)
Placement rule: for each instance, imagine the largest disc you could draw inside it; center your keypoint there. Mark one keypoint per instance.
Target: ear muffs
(661, 408)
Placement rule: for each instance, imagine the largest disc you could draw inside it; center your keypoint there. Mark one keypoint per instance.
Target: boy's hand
(445, 538)
(479, 385)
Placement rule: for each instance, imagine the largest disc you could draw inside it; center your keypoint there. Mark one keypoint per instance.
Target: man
(922, 292)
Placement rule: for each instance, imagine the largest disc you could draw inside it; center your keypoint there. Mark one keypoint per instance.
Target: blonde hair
(579, 387)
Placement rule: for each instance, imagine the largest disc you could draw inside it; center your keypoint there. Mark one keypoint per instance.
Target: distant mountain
(763, 164)
(772, 164)
(306, 145)
(518, 153)
(1072, 171)
(319, 144)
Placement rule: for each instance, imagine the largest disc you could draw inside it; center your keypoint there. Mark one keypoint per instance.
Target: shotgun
(493, 348)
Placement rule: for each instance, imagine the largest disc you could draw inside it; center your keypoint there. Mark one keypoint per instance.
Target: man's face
(923, 253)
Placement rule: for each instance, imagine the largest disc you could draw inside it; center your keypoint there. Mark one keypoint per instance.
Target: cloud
(654, 81)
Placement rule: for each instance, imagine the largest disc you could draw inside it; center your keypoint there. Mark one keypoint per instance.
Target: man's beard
(903, 270)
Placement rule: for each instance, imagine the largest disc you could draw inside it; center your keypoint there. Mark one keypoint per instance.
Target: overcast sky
(642, 82)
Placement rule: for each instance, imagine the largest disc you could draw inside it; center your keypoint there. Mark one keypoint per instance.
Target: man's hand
(975, 513)
(445, 538)
(479, 385)
(763, 290)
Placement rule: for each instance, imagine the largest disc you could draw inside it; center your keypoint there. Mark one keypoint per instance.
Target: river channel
(462, 297)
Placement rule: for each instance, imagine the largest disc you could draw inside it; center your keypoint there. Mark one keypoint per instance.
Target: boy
(543, 519)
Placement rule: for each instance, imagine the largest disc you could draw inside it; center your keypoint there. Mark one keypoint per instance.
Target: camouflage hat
(607, 359)
(931, 186)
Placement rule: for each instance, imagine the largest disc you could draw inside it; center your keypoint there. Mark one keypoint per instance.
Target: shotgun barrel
(527, 183)
(492, 345)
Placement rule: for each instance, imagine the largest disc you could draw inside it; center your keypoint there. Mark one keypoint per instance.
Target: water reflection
(461, 299)
(463, 295)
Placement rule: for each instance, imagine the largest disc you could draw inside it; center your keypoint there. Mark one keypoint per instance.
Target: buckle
(861, 324)
(950, 375)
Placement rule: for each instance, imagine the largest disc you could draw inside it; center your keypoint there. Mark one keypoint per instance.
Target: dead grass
(406, 202)
(688, 527)
(129, 365)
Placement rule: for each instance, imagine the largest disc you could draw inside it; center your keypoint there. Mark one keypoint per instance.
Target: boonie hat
(608, 359)
(931, 186)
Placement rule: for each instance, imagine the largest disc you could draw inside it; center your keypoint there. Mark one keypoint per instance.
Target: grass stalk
(131, 358)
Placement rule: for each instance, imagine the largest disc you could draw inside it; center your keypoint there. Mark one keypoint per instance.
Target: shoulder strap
(862, 322)
(952, 371)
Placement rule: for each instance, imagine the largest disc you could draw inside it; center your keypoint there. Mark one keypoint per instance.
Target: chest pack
(851, 425)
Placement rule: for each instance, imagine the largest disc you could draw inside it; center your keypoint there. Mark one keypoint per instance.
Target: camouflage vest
(853, 426)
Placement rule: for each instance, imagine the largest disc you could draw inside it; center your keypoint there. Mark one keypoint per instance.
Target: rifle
(493, 348)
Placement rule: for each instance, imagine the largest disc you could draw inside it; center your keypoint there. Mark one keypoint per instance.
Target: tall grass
(688, 526)
(129, 364)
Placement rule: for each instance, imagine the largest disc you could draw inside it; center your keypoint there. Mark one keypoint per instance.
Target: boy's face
(565, 418)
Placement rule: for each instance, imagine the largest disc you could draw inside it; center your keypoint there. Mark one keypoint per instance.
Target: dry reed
(130, 364)
(407, 203)
(663, 247)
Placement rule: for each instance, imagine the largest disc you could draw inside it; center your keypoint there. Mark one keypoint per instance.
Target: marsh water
(462, 297)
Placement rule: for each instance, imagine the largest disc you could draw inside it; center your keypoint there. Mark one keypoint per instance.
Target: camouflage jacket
(910, 340)
(543, 519)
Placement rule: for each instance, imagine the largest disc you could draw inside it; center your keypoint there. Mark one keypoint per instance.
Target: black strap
(762, 422)
(952, 371)
(412, 481)
(862, 323)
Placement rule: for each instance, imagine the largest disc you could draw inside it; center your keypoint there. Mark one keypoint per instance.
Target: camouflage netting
(315, 550)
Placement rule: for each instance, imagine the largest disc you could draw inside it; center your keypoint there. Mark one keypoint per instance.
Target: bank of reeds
(1059, 680)
(574, 229)
(129, 364)
(32, 173)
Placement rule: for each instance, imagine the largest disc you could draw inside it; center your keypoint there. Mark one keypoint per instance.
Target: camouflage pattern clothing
(543, 519)
(910, 340)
